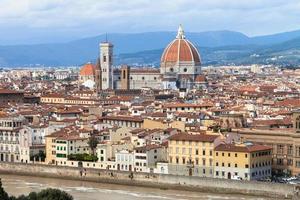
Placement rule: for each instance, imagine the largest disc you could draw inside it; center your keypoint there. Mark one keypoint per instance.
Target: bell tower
(106, 61)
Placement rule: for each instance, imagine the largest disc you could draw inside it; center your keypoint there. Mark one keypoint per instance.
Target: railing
(9, 142)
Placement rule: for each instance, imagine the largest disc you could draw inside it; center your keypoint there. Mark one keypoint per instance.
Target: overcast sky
(34, 21)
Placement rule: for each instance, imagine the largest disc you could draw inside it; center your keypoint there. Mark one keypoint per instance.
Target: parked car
(236, 178)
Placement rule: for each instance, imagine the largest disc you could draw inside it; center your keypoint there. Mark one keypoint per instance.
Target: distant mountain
(285, 53)
(275, 38)
(216, 47)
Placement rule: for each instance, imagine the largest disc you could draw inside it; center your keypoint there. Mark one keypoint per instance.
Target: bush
(83, 157)
(47, 194)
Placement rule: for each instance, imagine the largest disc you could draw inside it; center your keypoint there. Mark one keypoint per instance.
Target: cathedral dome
(180, 50)
(87, 70)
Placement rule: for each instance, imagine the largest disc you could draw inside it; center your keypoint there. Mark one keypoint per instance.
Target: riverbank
(186, 183)
(84, 190)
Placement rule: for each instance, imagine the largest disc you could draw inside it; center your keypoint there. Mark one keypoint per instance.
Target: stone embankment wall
(153, 180)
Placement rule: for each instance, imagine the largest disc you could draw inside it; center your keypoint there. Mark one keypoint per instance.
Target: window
(290, 162)
(185, 69)
(290, 150)
(104, 58)
(203, 162)
(235, 165)
(171, 69)
(246, 155)
(183, 160)
(197, 152)
(246, 166)
(228, 164)
(203, 152)
(217, 164)
(217, 154)
(279, 149)
(235, 155)
(143, 78)
(279, 161)
(228, 154)
(217, 173)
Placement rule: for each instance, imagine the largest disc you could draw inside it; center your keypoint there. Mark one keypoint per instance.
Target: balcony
(9, 142)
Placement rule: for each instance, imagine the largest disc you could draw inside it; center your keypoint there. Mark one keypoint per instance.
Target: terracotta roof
(180, 50)
(176, 105)
(6, 91)
(123, 118)
(197, 138)
(200, 79)
(87, 70)
(242, 148)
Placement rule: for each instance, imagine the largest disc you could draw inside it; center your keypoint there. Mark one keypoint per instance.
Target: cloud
(90, 17)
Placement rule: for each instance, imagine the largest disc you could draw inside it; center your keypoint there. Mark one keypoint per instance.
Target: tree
(93, 143)
(47, 194)
(53, 194)
(3, 194)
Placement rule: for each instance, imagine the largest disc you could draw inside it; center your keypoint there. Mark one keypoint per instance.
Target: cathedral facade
(180, 68)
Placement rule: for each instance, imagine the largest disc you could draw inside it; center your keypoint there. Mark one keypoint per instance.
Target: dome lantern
(180, 33)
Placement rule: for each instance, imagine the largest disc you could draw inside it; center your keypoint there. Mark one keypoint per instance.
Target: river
(80, 190)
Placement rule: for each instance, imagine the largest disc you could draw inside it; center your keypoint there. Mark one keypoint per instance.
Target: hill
(216, 47)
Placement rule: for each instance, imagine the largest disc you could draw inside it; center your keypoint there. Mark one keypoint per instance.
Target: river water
(80, 190)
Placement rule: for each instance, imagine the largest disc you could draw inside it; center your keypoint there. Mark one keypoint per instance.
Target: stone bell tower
(106, 62)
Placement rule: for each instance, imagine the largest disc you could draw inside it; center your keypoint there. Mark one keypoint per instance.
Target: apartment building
(192, 155)
(242, 161)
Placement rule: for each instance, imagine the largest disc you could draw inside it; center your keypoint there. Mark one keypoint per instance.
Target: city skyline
(31, 21)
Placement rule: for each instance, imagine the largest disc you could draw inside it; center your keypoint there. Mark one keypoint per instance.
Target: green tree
(47, 194)
(3, 194)
(53, 194)
(93, 142)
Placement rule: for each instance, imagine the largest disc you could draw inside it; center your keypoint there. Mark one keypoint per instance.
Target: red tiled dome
(87, 70)
(179, 50)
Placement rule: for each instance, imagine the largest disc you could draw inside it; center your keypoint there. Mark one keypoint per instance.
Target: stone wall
(152, 180)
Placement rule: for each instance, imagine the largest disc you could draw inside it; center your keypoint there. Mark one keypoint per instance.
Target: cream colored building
(242, 161)
(192, 154)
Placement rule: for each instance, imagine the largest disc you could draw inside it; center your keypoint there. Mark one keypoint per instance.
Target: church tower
(106, 61)
(98, 77)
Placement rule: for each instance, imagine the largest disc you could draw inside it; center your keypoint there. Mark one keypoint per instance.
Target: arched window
(185, 69)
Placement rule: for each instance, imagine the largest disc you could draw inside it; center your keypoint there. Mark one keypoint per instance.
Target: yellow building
(242, 161)
(50, 149)
(192, 154)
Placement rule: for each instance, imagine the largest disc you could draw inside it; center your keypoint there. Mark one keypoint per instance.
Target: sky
(43, 21)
